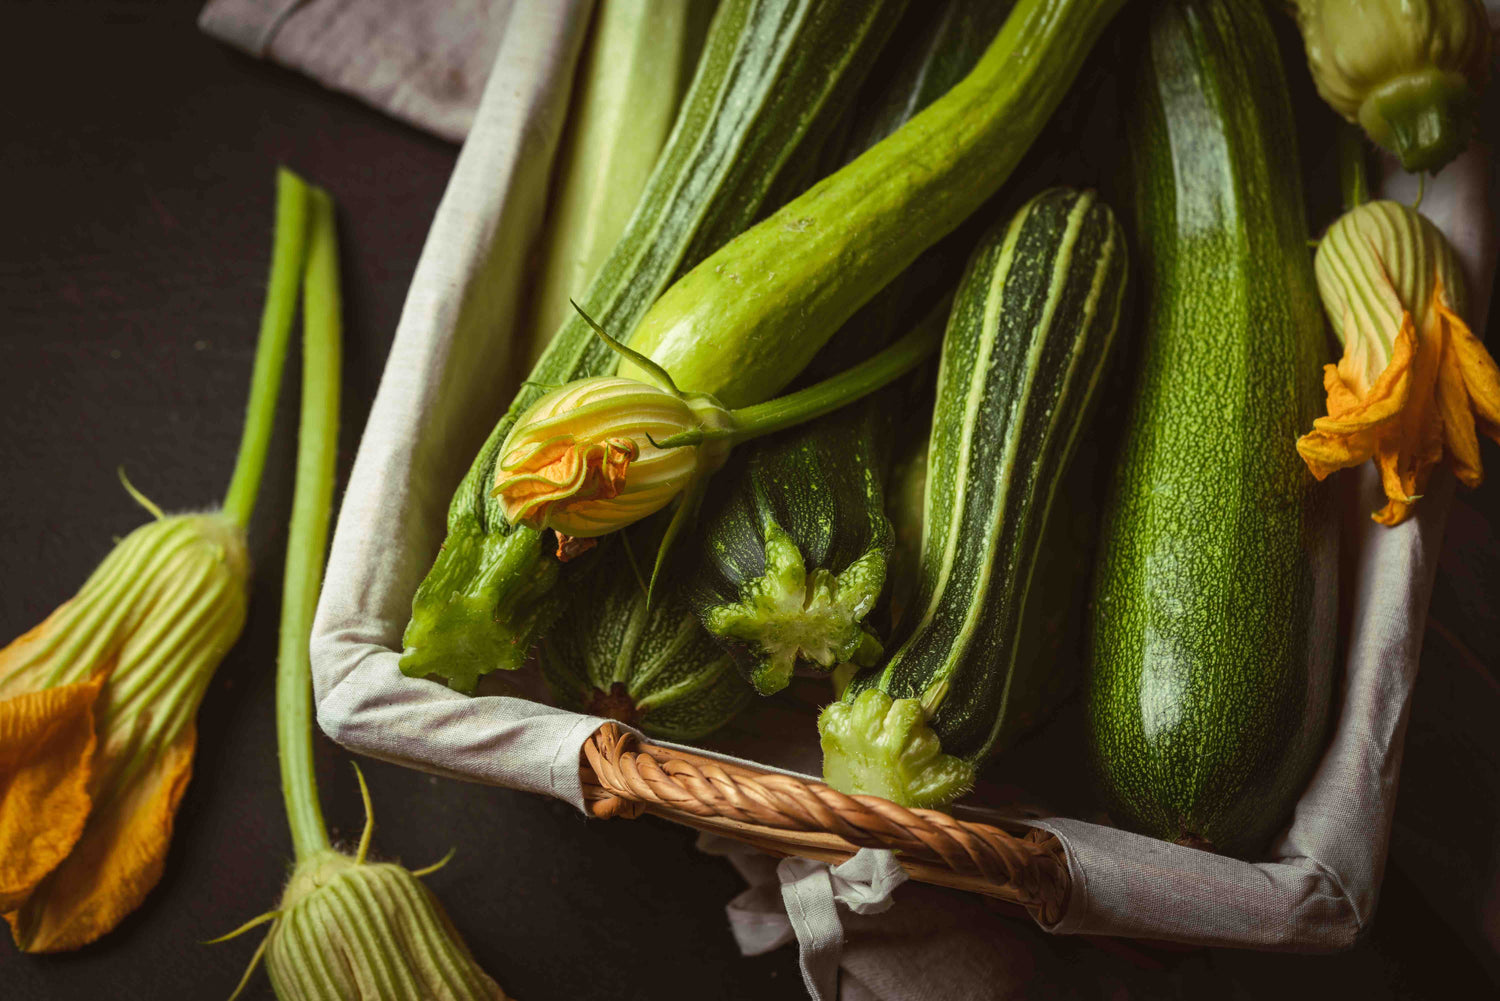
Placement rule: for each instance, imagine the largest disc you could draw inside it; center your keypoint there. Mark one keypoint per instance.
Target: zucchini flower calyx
(1409, 72)
(1414, 384)
(584, 459)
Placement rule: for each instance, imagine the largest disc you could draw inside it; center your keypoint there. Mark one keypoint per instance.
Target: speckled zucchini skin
(1214, 616)
(1031, 329)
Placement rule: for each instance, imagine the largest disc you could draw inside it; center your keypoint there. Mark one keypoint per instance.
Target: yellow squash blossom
(96, 726)
(1414, 383)
(584, 460)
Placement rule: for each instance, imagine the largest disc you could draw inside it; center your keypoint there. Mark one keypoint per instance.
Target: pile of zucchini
(837, 176)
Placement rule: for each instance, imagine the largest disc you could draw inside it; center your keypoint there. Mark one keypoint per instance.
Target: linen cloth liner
(453, 341)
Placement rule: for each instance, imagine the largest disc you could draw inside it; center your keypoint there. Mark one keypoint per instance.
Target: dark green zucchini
(793, 550)
(650, 667)
(1215, 602)
(770, 70)
(794, 542)
(1025, 350)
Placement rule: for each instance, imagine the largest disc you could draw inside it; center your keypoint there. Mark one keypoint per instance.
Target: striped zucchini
(1025, 350)
(1215, 596)
(794, 548)
(768, 68)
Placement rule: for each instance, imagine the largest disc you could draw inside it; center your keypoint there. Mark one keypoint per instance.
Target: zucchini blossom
(1408, 72)
(97, 731)
(348, 928)
(584, 460)
(97, 703)
(1414, 384)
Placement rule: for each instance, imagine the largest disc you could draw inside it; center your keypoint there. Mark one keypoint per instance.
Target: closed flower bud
(1409, 72)
(354, 930)
(583, 459)
(1414, 384)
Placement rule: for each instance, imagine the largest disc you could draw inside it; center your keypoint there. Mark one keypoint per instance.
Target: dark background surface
(139, 162)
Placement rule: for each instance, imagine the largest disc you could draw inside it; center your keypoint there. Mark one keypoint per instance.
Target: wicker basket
(624, 776)
(1073, 876)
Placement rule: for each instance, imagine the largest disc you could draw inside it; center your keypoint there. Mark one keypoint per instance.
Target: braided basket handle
(624, 776)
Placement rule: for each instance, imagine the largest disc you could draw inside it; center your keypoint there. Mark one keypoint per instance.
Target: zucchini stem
(287, 255)
(307, 534)
(830, 394)
(1353, 180)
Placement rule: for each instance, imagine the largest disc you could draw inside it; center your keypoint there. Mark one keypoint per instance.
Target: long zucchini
(768, 67)
(1215, 598)
(1025, 350)
(792, 555)
(765, 302)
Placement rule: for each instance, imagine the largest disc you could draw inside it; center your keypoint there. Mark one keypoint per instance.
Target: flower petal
(1480, 373)
(47, 747)
(116, 862)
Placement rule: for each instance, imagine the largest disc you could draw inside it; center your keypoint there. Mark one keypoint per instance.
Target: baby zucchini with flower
(586, 459)
(490, 593)
(746, 320)
(97, 704)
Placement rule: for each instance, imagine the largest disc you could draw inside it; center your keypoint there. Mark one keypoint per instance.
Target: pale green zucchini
(745, 321)
(1025, 350)
(636, 64)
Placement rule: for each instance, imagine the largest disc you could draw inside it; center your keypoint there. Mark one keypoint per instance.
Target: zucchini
(792, 555)
(636, 65)
(793, 552)
(768, 67)
(1215, 609)
(1025, 350)
(746, 320)
(651, 667)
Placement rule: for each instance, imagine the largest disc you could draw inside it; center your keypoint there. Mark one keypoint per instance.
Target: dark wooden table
(138, 162)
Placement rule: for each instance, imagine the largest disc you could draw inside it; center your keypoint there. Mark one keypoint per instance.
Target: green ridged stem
(271, 347)
(307, 532)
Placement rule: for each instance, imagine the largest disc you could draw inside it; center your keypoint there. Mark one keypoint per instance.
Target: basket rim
(625, 775)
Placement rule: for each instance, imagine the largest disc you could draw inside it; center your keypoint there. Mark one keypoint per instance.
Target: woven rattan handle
(624, 776)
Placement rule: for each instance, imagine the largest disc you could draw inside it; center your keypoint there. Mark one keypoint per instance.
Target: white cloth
(447, 380)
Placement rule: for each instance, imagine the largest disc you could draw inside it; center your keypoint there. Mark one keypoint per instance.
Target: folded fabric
(422, 61)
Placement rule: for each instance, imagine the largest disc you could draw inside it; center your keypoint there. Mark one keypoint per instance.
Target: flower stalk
(346, 927)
